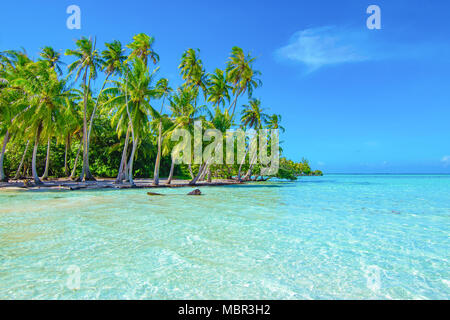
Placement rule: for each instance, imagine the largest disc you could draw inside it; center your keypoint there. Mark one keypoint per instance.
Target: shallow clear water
(337, 236)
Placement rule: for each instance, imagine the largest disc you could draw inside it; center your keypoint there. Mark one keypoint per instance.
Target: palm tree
(112, 62)
(12, 65)
(191, 69)
(142, 47)
(73, 127)
(163, 91)
(53, 57)
(87, 63)
(252, 117)
(218, 91)
(241, 75)
(273, 122)
(135, 94)
(45, 95)
(184, 112)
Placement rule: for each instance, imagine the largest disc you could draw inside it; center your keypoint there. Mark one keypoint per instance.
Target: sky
(352, 99)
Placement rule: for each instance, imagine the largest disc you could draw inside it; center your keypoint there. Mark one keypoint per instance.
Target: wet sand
(107, 183)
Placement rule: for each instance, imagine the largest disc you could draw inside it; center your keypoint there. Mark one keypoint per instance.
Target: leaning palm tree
(241, 75)
(252, 117)
(184, 112)
(11, 96)
(113, 58)
(163, 91)
(87, 63)
(45, 96)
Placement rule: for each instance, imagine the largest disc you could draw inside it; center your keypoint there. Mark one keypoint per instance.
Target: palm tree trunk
(133, 151)
(17, 176)
(205, 171)
(209, 175)
(86, 174)
(169, 180)
(37, 181)
(66, 167)
(91, 121)
(249, 172)
(240, 166)
(197, 177)
(133, 137)
(158, 156)
(72, 175)
(234, 104)
(47, 160)
(3, 177)
(190, 171)
(120, 176)
(205, 165)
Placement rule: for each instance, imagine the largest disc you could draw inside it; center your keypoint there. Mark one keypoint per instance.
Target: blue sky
(351, 99)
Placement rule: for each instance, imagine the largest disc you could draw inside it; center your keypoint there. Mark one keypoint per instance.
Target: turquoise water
(337, 236)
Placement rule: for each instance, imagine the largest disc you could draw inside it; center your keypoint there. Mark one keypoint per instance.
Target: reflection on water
(321, 237)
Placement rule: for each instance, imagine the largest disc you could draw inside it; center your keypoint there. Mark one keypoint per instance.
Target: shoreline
(109, 183)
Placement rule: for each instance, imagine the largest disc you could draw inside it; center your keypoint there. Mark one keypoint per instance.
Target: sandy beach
(107, 183)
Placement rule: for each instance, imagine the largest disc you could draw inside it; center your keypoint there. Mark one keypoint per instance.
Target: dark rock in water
(154, 194)
(196, 192)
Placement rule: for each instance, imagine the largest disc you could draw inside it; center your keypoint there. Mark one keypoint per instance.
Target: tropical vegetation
(55, 123)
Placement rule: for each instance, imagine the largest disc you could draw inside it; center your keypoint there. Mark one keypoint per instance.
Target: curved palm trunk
(209, 175)
(197, 177)
(86, 174)
(133, 137)
(37, 181)
(242, 163)
(130, 164)
(122, 168)
(158, 156)
(190, 171)
(47, 161)
(234, 103)
(204, 166)
(91, 121)
(249, 172)
(3, 177)
(72, 175)
(169, 180)
(66, 151)
(17, 176)
(205, 171)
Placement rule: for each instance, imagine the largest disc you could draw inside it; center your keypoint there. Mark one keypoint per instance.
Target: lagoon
(330, 237)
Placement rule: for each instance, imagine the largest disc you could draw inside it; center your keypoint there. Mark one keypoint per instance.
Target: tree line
(52, 122)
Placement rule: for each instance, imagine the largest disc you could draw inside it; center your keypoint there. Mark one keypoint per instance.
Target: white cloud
(318, 47)
(445, 161)
(332, 45)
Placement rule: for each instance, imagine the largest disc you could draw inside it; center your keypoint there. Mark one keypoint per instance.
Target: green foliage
(38, 102)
